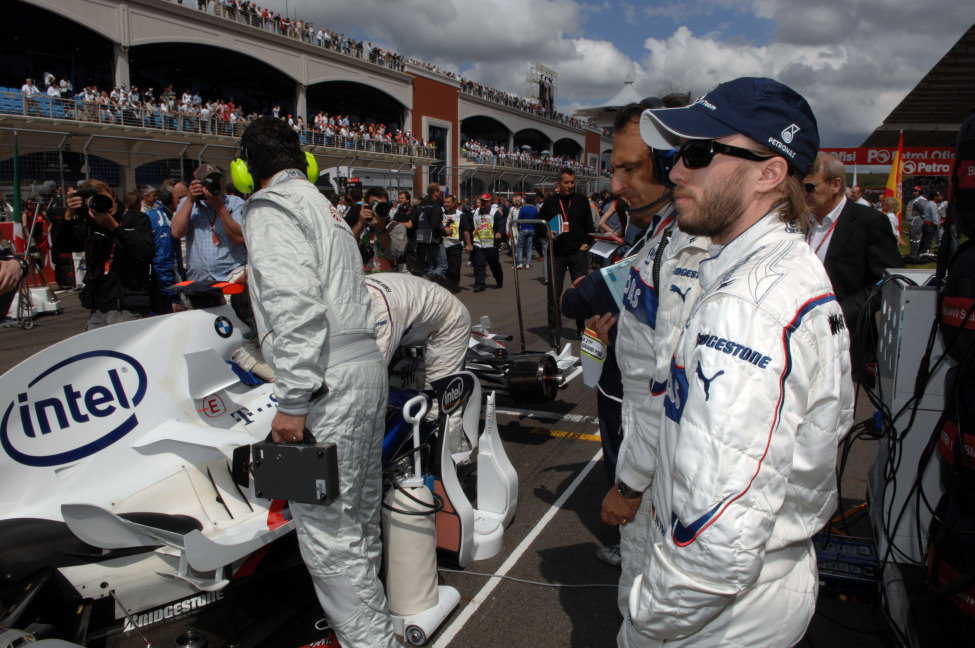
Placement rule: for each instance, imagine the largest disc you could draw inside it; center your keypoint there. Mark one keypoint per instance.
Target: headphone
(244, 181)
(663, 160)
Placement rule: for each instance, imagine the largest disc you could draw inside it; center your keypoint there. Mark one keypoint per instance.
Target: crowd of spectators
(189, 112)
(519, 103)
(250, 13)
(525, 158)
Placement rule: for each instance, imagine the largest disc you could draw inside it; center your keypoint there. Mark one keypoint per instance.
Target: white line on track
(448, 635)
(549, 416)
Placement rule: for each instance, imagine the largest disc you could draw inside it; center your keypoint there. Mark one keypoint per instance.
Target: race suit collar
(286, 175)
(725, 257)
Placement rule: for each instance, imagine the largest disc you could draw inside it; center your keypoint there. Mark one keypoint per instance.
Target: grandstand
(405, 117)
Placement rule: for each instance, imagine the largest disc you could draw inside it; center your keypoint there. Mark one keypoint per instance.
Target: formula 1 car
(118, 502)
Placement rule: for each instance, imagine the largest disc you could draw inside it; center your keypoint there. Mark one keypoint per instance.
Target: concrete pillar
(511, 142)
(128, 175)
(121, 65)
(301, 101)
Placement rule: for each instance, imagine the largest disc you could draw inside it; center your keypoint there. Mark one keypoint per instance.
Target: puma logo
(683, 295)
(707, 381)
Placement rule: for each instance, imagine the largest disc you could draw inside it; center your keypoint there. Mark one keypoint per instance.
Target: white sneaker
(520, 266)
(609, 555)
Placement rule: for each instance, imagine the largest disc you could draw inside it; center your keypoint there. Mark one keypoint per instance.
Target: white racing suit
(317, 332)
(650, 321)
(758, 397)
(411, 311)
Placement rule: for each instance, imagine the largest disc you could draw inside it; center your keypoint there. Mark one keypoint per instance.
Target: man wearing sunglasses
(855, 244)
(759, 391)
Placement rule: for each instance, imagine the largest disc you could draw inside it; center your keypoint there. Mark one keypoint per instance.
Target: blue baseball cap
(769, 112)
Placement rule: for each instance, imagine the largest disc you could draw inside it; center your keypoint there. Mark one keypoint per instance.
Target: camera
(367, 251)
(211, 184)
(380, 209)
(92, 201)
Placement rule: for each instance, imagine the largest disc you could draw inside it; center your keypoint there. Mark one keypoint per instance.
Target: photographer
(317, 332)
(381, 241)
(210, 220)
(118, 247)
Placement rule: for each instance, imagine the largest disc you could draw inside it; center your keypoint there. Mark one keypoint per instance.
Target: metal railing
(16, 103)
(522, 105)
(496, 161)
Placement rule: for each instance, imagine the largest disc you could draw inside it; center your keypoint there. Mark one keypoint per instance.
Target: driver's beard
(719, 209)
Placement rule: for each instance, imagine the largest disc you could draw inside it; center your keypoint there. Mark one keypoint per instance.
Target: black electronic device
(848, 567)
(306, 471)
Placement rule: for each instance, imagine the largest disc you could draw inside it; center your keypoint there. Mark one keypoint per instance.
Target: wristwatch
(627, 492)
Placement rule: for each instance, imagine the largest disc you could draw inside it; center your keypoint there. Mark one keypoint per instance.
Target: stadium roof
(932, 113)
(604, 115)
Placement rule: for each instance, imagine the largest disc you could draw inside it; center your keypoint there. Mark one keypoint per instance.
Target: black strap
(659, 254)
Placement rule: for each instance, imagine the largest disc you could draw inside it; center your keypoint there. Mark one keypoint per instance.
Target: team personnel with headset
(313, 316)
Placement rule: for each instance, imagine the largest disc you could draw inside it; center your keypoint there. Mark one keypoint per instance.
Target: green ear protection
(244, 181)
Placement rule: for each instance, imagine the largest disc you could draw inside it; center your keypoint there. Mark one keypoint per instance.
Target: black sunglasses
(697, 154)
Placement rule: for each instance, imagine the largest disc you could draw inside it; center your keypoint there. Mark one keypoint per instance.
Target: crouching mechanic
(311, 308)
(759, 392)
(413, 311)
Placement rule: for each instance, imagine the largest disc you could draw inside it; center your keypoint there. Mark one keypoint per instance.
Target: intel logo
(453, 396)
(73, 409)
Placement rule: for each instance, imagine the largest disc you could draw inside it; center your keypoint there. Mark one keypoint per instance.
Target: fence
(14, 102)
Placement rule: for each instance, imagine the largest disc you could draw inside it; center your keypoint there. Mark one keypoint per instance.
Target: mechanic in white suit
(759, 392)
(312, 312)
(412, 311)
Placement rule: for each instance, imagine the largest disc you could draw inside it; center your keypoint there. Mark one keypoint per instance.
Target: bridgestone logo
(170, 611)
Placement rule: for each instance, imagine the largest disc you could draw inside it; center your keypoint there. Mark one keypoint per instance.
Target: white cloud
(853, 61)
(853, 64)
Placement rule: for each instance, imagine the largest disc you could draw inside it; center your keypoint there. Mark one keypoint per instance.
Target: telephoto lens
(212, 185)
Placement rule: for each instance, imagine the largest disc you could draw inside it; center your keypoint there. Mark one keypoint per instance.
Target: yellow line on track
(562, 434)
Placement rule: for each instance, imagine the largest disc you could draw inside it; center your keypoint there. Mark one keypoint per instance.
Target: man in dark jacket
(118, 247)
(855, 244)
(429, 234)
(571, 247)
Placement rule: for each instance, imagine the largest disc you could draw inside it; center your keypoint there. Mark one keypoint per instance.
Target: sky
(853, 61)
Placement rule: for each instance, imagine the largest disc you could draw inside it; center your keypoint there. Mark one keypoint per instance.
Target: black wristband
(626, 491)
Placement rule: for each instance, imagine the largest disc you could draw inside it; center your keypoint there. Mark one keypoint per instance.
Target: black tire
(532, 379)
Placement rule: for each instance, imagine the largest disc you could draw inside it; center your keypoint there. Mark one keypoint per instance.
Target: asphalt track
(557, 529)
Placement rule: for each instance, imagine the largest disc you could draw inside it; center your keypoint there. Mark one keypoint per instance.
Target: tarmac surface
(552, 541)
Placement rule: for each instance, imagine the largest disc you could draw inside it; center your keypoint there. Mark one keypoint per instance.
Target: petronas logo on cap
(789, 132)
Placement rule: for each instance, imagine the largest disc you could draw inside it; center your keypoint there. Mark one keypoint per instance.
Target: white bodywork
(136, 417)
(143, 417)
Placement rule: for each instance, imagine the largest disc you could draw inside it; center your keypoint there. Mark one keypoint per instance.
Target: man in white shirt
(30, 91)
(856, 195)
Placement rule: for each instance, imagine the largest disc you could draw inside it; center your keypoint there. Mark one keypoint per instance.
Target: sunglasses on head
(697, 154)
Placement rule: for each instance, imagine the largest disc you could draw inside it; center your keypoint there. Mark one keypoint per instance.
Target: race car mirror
(305, 472)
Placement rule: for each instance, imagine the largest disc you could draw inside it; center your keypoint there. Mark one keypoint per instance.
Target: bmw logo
(223, 327)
